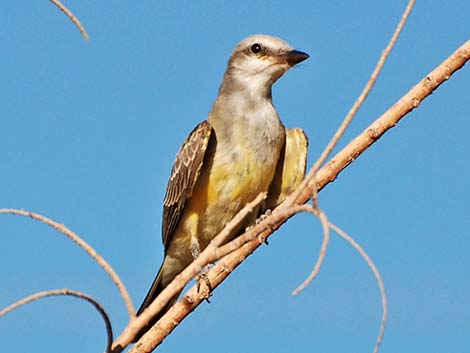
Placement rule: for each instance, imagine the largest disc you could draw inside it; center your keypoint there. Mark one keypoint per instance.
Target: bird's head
(259, 60)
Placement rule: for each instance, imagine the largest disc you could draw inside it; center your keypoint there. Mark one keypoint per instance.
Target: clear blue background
(89, 131)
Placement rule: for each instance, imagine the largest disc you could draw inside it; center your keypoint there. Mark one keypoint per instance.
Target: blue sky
(89, 131)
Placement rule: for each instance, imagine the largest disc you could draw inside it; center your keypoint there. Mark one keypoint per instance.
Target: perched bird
(228, 159)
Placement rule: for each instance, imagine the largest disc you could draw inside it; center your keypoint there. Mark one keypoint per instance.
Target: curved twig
(67, 292)
(326, 239)
(411, 100)
(376, 272)
(328, 224)
(72, 18)
(210, 254)
(85, 246)
(327, 151)
(357, 104)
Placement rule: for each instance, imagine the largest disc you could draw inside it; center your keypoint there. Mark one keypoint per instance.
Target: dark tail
(155, 290)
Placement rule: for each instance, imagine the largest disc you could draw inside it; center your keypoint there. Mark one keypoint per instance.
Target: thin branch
(325, 175)
(376, 272)
(357, 104)
(326, 223)
(255, 232)
(411, 100)
(72, 18)
(85, 246)
(326, 239)
(333, 142)
(152, 338)
(210, 254)
(66, 292)
(239, 217)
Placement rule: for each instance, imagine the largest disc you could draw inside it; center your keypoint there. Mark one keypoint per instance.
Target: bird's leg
(202, 275)
(265, 215)
(258, 220)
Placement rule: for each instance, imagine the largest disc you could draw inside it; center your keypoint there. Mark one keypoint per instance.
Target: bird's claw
(262, 239)
(265, 215)
(202, 276)
(258, 220)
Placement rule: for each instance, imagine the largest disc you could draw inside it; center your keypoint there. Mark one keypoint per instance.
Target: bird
(239, 151)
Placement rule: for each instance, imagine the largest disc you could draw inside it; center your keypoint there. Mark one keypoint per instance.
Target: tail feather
(155, 290)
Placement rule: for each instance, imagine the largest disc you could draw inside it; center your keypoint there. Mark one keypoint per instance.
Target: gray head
(257, 62)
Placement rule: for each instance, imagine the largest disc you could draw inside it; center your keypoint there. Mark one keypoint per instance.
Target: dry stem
(326, 239)
(210, 254)
(357, 104)
(388, 120)
(376, 272)
(85, 246)
(72, 18)
(66, 292)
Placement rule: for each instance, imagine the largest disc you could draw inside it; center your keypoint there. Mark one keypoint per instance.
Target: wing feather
(184, 175)
(290, 170)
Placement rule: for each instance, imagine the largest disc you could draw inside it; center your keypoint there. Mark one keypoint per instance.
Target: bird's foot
(263, 216)
(258, 220)
(202, 277)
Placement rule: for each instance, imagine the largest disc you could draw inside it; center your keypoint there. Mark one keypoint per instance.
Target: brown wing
(184, 175)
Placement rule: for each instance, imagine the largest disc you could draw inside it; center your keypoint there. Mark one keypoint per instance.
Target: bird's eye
(256, 48)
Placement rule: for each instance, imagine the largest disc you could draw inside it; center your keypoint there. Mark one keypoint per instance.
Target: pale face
(259, 60)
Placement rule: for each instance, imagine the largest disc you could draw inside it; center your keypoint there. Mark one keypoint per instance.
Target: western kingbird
(228, 159)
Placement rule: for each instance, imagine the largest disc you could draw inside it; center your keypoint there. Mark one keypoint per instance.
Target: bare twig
(326, 226)
(66, 292)
(326, 223)
(191, 299)
(376, 272)
(333, 142)
(85, 246)
(253, 233)
(326, 239)
(357, 104)
(210, 254)
(72, 18)
(388, 120)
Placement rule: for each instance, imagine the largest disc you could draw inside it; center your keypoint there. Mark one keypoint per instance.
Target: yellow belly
(219, 194)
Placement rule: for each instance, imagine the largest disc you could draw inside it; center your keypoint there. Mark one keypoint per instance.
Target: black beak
(294, 57)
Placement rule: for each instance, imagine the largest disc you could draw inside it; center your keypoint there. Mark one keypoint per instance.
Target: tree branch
(85, 246)
(376, 272)
(66, 292)
(72, 18)
(210, 254)
(365, 92)
(411, 100)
